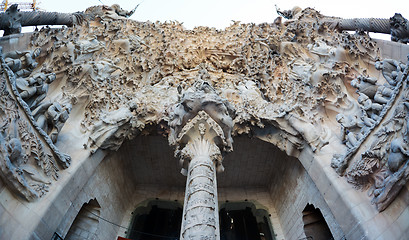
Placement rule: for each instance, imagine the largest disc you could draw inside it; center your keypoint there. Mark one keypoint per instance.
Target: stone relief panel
(29, 159)
(300, 83)
(382, 169)
(374, 102)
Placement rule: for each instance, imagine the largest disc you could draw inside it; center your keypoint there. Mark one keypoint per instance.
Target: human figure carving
(391, 70)
(34, 89)
(368, 108)
(398, 177)
(22, 63)
(14, 150)
(367, 86)
(349, 125)
(51, 117)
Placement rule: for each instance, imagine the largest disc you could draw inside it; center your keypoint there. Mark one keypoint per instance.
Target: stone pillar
(200, 156)
(200, 212)
(200, 128)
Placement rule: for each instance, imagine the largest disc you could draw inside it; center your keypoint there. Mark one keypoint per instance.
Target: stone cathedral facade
(112, 128)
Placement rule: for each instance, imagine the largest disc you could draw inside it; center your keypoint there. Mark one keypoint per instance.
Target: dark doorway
(86, 223)
(156, 220)
(315, 226)
(242, 221)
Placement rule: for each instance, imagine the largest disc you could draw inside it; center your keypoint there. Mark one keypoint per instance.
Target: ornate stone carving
(22, 63)
(374, 102)
(113, 128)
(202, 97)
(12, 20)
(283, 82)
(383, 167)
(51, 117)
(28, 161)
(397, 26)
(201, 127)
(201, 156)
(34, 89)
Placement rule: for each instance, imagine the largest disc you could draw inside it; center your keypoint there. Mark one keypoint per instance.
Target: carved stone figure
(349, 126)
(34, 89)
(289, 14)
(202, 97)
(113, 12)
(391, 187)
(22, 63)
(369, 110)
(308, 131)
(391, 70)
(122, 12)
(51, 117)
(283, 83)
(380, 94)
(397, 155)
(111, 130)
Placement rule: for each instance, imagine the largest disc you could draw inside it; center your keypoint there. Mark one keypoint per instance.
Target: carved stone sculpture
(51, 117)
(202, 155)
(391, 187)
(29, 164)
(34, 89)
(12, 20)
(112, 129)
(397, 26)
(391, 70)
(201, 127)
(22, 63)
(202, 97)
(286, 83)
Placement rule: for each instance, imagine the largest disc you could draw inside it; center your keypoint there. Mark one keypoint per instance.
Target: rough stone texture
(331, 108)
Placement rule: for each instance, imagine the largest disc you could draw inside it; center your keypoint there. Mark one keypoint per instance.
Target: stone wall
(291, 190)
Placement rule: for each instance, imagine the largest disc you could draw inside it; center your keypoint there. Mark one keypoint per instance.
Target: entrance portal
(238, 221)
(242, 221)
(157, 219)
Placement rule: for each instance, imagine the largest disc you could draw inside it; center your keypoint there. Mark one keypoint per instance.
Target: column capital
(201, 136)
(201, 123)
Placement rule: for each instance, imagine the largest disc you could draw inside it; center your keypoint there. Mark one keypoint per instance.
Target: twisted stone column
(12, 20)
(397, 26)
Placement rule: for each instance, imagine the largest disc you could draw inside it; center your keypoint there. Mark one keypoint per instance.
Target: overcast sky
(219, 13)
